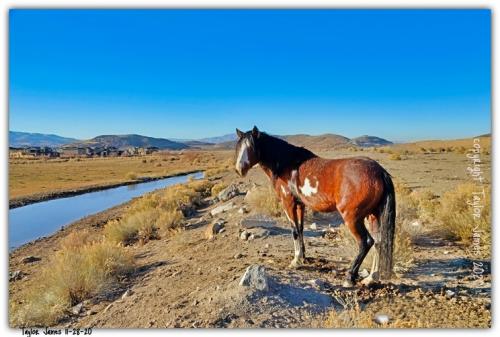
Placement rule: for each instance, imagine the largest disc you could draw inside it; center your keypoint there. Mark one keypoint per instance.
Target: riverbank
(45, 196)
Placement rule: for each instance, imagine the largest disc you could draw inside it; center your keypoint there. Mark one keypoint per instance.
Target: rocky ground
(229, 268)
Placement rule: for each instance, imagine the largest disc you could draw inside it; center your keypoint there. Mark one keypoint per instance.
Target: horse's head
(246, 151)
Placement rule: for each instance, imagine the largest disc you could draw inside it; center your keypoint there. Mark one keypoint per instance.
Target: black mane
(278, 155)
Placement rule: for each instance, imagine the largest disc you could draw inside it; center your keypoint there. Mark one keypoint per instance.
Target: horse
(357, 188)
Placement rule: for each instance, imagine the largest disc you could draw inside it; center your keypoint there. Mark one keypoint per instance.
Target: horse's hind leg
(365, 242)
(375, 232)
(300, 222)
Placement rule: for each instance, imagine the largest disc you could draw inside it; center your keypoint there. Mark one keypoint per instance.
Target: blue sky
(397, 74)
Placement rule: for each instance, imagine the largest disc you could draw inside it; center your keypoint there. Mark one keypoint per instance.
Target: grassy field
(31, 177)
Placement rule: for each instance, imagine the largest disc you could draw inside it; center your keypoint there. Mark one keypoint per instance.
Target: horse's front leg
(300, 209)
(290, 207)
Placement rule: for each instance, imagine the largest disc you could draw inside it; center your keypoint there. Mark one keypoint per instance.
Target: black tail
(387, 222)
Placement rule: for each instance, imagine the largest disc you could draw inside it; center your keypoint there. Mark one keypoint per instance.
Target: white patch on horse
(243, 156)
(292, 183)
(284, 191)
(288, 217)
(307, 189)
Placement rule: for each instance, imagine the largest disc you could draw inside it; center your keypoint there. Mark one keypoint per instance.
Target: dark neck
(277, 157)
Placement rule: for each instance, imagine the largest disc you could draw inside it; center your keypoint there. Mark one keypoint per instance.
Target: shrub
(132, 176)
(395, 156)
(217, 188)
(264, 200)
(158, 212)
(456, 214)
(73, 275)
(215, 171)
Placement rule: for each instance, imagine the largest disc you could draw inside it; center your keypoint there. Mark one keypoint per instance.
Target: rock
(228, 193)
(127, 293)
(267, 246)
(238, 256)
(416, 223)
(381, 319)
(313, 226)
(244, 235)
(318, 284)
(214, 228)
(255, 277)
(259, 233)
(242, 210)
(16, 275)
(449, 293)
(77, 309)
(222, 208)
(251, 237)
(30, 259)
(252, 223)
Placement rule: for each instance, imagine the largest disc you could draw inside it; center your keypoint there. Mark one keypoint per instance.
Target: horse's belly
(319, 203)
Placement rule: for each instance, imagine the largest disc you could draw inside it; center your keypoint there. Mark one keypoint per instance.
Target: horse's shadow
(446, 270)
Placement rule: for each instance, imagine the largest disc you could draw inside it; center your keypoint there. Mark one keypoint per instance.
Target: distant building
(73, 151)
(33, 152)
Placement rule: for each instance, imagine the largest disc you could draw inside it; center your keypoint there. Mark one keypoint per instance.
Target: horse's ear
(239, 133)
(255, 132)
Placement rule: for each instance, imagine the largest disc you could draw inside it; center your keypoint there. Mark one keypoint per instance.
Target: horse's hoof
(295, 264)
(367, 281)
(370, 279)
(348, 284)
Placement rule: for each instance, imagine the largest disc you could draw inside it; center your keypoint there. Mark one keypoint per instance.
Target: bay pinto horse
(357, 188)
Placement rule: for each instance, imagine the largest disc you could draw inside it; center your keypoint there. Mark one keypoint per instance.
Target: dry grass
(81, 269)
(439, 146)
(157, 213)
(457, 217)
(395, 156)
(132, 176)
(217, 188)
(263, 199)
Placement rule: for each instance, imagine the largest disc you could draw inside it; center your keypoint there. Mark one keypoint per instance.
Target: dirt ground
(187, 280)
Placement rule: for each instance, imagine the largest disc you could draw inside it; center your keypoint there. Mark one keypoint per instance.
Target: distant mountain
(230, 137)
(125, 141)
(196, 143)
(321, 142)
(24, 139)
(368, 141)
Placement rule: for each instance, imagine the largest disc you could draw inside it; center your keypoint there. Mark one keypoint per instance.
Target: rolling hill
(125, 141)
(368, 141)
(25, 139)
(321, 142)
